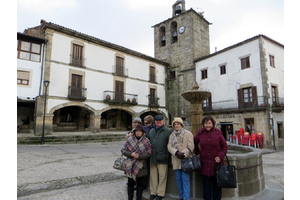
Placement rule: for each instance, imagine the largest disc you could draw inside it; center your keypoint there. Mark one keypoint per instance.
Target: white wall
(224, 87)
(98, 72)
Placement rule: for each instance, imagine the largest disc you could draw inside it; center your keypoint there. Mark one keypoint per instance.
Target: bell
(178, 9)
(175, 34)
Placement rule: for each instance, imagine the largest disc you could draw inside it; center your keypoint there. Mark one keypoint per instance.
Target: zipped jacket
(210, 144)
(159, 141)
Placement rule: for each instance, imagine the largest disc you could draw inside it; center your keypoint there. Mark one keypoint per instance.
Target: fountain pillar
(196, 97)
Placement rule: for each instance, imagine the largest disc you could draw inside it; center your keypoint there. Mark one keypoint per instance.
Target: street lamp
(46, 84)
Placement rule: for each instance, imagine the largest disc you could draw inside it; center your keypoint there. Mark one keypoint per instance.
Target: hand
(179, 155)
(135, 155)
(217, 159)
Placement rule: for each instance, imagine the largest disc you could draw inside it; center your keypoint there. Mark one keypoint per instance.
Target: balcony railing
(153, 101)
(279, 102)
(75, 93)
(255, 102)
(78, 61)
(112, 97)
(120, 71)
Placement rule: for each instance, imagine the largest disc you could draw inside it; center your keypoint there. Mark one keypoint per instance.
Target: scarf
(177, 137)
(132, 165)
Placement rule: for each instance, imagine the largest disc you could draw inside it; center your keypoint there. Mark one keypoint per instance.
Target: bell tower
(179, 40)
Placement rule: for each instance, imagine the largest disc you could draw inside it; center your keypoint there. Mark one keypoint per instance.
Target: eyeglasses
(146, 122)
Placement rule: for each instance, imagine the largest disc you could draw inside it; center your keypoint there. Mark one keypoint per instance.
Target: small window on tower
(172, 75)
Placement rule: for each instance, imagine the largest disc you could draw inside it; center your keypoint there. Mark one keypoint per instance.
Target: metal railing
(120, 71)
(76, 93)
(253, 102)
(120, 97)
(153, 101)
(77, 60)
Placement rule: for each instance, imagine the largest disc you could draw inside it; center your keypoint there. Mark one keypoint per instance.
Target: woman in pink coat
(211, 148)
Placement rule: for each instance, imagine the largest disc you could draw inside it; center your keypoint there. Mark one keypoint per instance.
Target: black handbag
(120, 163)
(190, 164)
(226, 175)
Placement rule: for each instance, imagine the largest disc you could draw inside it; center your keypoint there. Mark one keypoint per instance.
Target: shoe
(159, 198)
(152, 196)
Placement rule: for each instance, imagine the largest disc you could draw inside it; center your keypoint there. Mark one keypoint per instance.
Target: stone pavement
(84, 171)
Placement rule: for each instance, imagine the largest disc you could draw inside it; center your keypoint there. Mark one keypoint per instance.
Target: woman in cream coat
(179, 142)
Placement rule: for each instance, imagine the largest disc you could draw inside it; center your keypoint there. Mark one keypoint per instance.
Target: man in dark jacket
(159, 138)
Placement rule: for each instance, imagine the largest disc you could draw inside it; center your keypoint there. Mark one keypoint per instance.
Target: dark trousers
(139, 182)
(210, 188)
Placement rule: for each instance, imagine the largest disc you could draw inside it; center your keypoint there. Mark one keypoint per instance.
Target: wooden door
(119, 90)
(76, 85)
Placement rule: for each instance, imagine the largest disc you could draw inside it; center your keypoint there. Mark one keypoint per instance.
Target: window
(29, 51)
(23, 77)
(223, 69)
(152, 97)
(207, 104)
(247, 97)
(152, 74)
(274, 94)
(249, 125)
(272, 61)
(245, 62)
(204, 74)
(172, 75)
(76, 86)
(119, 90)
(77, 56)
(119, 65)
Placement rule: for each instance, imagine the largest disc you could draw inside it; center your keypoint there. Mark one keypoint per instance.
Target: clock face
(181, 29)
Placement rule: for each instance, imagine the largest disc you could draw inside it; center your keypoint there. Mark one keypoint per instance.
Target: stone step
(71, 139)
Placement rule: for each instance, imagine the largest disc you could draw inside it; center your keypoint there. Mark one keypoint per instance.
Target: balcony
(119, 71)
(153, 101)
(78, 61)
(112, 97)
(255, 103)
(75, 93)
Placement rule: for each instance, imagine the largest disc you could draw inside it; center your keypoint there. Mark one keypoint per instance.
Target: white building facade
(30, 63)
(246, 82)
(95, 84)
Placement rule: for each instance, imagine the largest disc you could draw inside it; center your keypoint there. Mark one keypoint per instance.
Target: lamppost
(46, 84)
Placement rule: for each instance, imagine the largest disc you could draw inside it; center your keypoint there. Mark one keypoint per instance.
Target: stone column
(95, 121)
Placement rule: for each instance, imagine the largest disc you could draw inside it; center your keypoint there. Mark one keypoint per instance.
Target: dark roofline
(237, 45)
(190, 10)
(31, 38)
(95, 40)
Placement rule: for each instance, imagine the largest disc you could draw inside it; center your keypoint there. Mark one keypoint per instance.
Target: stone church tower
(179, 41)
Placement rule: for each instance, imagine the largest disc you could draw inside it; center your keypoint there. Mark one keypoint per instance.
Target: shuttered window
(152, 74)
(23, 77)
(245, 62)
(247, 97)
(119, 65)
(119, 91)
(204, 74)
(77, 56)
(272, 61)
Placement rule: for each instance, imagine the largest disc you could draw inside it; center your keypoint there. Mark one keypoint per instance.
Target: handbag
(226, 175)
(120, 163)
(190, 164)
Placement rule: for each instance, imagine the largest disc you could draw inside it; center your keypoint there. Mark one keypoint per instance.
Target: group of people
(149, 148)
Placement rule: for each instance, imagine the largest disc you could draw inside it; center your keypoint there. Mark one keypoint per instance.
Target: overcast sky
(128, 22)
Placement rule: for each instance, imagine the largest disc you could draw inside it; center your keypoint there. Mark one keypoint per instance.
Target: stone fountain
(196, 97)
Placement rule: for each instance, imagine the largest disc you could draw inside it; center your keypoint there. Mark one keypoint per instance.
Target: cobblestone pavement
(84, 171)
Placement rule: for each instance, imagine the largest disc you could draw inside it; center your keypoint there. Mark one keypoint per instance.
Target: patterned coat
(210, 144)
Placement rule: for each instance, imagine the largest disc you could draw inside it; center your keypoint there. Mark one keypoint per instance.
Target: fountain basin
(249, 172)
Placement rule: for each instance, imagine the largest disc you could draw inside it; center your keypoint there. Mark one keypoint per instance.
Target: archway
(116, 119)
(72, 118)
